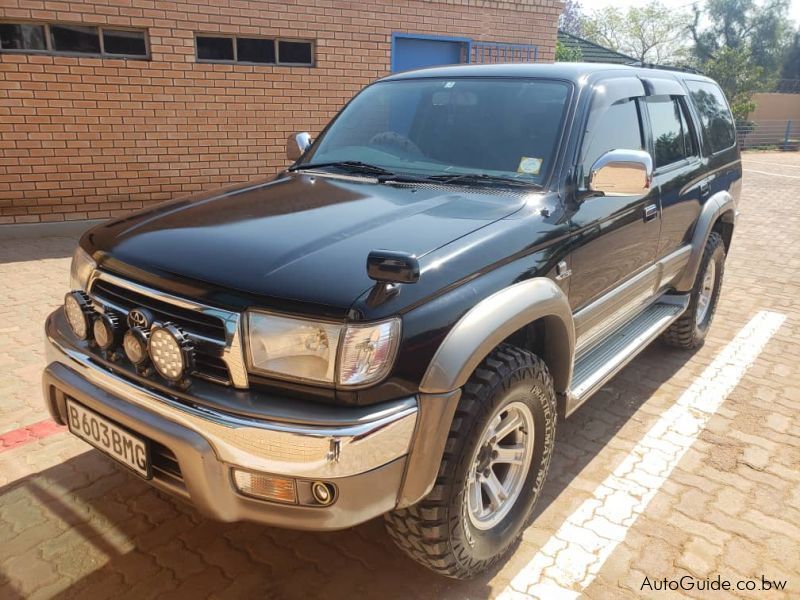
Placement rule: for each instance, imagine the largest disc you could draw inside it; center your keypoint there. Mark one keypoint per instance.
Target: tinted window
(668, 139)
(22, 37)
(617, 128)
(422, 127)
(214, 48)
(716, 118)
(74, 38)
(121, 41)
(256, 50)
(294, 52)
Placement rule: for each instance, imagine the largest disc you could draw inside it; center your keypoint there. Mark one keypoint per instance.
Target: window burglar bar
(69, 39)
(495, 52)
(221, 48)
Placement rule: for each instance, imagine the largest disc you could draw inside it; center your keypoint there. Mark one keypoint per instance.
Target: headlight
(80, 269)
(305, 350)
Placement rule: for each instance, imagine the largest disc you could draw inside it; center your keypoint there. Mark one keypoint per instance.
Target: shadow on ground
(117, 537)
(27, 249)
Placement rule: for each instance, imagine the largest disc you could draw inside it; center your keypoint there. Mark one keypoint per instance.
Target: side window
(618, 128)
(716, 118)
(671, 136)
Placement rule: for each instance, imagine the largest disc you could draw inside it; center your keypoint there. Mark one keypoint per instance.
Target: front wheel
(495, 462)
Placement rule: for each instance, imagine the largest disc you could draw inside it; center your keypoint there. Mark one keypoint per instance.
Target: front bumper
(362, 451)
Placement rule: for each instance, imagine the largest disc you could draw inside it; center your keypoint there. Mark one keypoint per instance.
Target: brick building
(108, 105)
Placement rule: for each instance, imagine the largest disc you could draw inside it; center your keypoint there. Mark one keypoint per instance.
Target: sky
(588, 5)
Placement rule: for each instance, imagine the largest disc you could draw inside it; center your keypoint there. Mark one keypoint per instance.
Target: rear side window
(618, 128)
(716, 118)
(672, 137)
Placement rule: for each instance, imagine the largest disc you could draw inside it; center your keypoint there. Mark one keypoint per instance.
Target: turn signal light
(265, 487)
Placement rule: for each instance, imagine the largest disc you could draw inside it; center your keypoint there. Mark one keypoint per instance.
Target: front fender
(495, 318)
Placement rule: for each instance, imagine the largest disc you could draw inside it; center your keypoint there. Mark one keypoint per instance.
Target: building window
(22, 36)
(256, 51)
(76, 40)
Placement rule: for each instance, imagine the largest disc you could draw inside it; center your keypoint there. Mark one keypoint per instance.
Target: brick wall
(84, 138)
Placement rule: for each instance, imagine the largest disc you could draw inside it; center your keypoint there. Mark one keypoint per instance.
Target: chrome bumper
(371, 442)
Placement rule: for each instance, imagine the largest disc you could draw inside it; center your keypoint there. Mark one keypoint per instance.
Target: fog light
(135, 346)
(265, 487)
(107, 330)
(80, 314)
(170, 350)
(323, 493)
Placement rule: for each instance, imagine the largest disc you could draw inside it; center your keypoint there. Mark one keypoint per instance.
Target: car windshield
(489, 127)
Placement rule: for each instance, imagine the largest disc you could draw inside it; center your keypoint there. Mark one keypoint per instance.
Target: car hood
(298, 242)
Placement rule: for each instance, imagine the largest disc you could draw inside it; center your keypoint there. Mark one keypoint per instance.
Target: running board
(606, 359)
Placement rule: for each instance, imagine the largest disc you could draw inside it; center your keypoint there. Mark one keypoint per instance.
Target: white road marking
(748, 161)
(570, 560)
(773, 174)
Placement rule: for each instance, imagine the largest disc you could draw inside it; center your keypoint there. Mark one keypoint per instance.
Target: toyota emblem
(140, 317)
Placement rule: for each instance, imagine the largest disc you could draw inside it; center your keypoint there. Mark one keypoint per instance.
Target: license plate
(105, 435)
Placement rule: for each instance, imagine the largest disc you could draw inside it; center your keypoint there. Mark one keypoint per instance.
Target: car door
(614, 237)
(679, 178)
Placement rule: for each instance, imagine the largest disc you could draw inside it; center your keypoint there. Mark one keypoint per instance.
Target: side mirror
(296, 144)
(622, 173)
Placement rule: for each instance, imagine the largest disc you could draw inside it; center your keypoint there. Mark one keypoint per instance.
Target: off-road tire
(437, 531)
(686, 332)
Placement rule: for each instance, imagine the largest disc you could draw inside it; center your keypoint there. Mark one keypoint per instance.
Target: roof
(594, 53)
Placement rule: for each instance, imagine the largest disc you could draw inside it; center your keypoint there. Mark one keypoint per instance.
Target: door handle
(650, 212)
(705, 190)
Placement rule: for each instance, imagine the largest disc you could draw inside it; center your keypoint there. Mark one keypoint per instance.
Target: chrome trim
(622, 173)
(297, 144)
(296, 450)
(604, 314)
(609, 357)
(233, 348)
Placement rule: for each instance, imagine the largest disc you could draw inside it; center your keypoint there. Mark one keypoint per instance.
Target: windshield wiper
(482, 178)
(351, 166)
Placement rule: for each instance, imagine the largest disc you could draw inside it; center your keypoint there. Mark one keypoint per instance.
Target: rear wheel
(495, 462)
(690, 330)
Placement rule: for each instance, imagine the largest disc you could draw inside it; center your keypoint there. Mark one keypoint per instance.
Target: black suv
(394, 325)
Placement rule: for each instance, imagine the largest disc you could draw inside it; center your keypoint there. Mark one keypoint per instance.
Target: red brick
(164, 115)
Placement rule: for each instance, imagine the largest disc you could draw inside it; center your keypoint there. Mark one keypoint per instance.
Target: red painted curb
(29, 433)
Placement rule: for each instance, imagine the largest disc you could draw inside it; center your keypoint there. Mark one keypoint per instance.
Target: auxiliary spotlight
(171, 351)
(80, 313)
(135, 346)
(107, 330)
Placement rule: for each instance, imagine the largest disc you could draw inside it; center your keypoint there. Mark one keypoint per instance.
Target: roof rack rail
(646, 65)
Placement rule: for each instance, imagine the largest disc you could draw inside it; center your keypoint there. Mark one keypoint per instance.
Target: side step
(606, 359)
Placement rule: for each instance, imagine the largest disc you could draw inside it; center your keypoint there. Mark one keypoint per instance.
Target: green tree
(650, 33)
(571, 18)
(565, 53)
(791, 64)
(742, 45)
(738, 76)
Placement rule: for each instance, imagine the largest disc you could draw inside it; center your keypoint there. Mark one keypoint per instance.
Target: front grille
(188, 320)
(207, 331)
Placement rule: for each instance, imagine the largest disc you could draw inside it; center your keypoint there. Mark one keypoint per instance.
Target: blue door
(410, 52)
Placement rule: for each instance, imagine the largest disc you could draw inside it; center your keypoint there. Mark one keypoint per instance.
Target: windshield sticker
(449, 84)
(529, 166)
